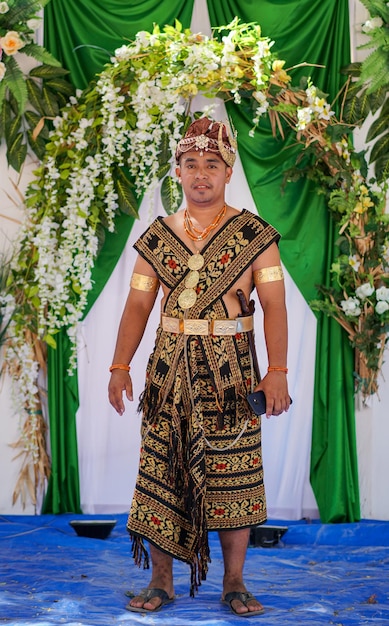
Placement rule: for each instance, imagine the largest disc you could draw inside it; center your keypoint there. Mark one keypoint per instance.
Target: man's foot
(242, 603)
(150, 600)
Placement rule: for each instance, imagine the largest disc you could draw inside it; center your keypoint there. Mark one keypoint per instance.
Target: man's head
(205, 135)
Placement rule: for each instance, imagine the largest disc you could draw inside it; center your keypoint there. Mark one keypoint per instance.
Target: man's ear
(228, 174)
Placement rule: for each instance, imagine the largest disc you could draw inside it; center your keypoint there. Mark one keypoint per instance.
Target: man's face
(203, 177)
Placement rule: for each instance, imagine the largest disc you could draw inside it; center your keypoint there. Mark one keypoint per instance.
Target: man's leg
(161, 578)
(234, 546)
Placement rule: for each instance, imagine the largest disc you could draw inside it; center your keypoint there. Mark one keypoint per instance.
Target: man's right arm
(136, 313)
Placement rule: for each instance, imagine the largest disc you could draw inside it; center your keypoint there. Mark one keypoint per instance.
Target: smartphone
(257, 401)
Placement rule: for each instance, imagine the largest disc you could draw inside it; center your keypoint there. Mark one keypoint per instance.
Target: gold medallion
(187, 298)
(196, 261)
(191, 281)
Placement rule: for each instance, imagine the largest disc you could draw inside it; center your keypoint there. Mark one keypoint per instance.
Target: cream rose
(11, 43)
(4, 8)
(2, 70)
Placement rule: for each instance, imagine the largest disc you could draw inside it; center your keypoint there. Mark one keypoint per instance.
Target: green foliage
(128, 203)
(369, 87)
(5, 316)
(43, 91)
(170, 190)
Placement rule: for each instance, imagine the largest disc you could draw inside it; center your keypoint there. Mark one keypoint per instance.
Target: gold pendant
(196, 262)
(187, 298)
(191, 281)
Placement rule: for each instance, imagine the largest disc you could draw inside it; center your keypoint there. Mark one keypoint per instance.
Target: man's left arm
(269, 283)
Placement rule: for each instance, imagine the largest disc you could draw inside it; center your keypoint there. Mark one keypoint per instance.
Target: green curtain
(316, 32)
(83, 36)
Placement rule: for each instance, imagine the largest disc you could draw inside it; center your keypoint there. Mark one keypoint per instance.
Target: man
(201, 465)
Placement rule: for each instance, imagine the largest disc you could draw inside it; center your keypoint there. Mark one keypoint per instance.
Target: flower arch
(115, 142)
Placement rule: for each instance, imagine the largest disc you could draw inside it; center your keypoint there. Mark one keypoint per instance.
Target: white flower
(34, 23)
(304, 117)
(381, 307)
(351, 307)
(382, 293)
(4, 8)
(2, 70)
(364, 291)
(354, 262)
(122, 54)
(369, 25)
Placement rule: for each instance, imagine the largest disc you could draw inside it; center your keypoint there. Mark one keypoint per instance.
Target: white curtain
(109, 444)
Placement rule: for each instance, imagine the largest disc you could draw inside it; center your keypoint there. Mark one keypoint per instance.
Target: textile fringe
(199, 567)
(139, 552)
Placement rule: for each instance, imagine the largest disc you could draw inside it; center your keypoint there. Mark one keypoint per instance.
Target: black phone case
(257, 401)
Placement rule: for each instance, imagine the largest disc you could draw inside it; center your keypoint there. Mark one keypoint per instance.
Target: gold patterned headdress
(208, 136)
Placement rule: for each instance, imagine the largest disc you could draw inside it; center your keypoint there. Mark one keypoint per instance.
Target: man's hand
(120, 381)
(275, 387)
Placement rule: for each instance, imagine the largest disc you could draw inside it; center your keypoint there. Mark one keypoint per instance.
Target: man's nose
(201, 172)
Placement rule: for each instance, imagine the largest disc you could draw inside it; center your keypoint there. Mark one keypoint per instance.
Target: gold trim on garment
(268, 274)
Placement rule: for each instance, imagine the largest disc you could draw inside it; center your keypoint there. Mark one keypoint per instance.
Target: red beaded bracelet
(119, 366)
(274, 368)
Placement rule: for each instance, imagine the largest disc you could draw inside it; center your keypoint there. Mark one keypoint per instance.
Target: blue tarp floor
(317, 574)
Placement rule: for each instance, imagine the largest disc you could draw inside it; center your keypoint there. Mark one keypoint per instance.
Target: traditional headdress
(208, 136)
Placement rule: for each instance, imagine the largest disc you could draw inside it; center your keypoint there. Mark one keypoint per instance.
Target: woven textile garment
(191, 479)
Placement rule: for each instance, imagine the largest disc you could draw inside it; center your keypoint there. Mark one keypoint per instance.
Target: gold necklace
(199, 235)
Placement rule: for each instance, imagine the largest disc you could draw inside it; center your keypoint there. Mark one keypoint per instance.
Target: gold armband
(144, 283)
(268, 274)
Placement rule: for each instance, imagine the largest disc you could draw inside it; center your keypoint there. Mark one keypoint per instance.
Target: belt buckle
(171, 324)
(196, 327)
(224, 327)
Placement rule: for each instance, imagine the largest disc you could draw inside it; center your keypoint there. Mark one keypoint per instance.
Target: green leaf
(100, 234)
(380, 148)
(38, 145)
(381, 169)
(61, 86)
(127, 201)
(353, 69)
(49, 339)
(353, 110)
(164, 153)
(48, 72)
(16, 152)
(375, 71)
(5, 117)
(35, 96)
(380, 125)
(50, 103)
(33, 120)
(40, 54)
(377, 99)
(13, 128)
(3, 90)
(385, 108)
(163, 170)
(168, 196)
(14, 80)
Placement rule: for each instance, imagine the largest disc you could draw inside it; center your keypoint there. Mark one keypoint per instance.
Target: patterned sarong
(200, 464)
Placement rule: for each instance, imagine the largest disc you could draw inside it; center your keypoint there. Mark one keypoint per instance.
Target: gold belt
(207, 327)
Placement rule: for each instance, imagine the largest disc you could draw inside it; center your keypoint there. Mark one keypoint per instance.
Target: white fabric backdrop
(109, 444)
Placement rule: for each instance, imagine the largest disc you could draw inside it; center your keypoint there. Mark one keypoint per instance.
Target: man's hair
(206, 135)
